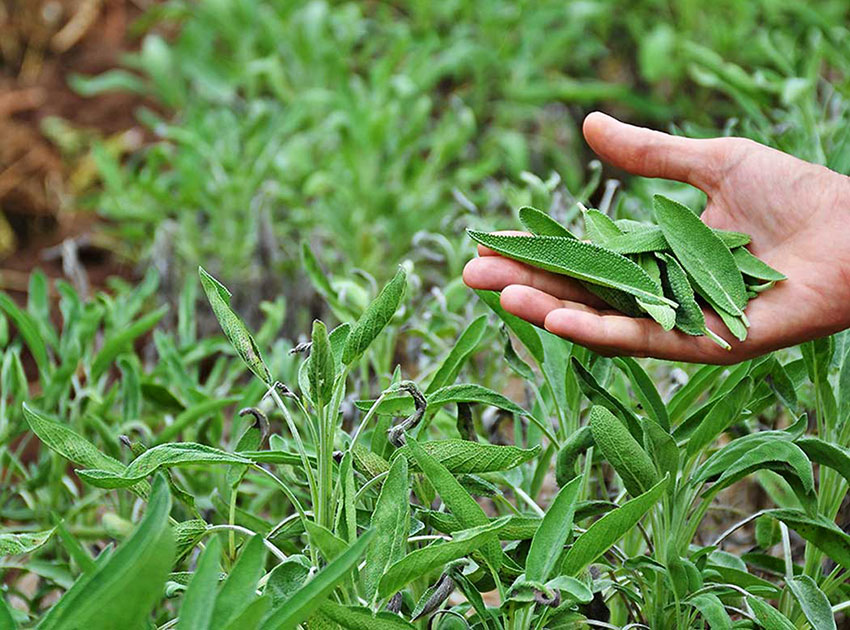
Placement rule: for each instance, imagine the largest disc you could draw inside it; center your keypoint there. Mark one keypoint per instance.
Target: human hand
(797, 213)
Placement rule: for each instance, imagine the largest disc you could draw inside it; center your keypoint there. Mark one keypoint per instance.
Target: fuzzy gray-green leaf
(377, 315)
(541, 224)
(702, 254)
(755, 267)
(583, 261)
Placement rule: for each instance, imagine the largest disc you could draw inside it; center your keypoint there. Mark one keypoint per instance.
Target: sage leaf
(391, 524)
(598, 395)
(125, 586)
(435, 556)
(622, 451)
(465, 457)
(233, 327)
(599, 228)
(645, 390)
(813, 602)
(605, 532)
(702, 254)
(239, 589)
(768, 617)
(28, 329)
(321, 365)
(377, 315)
(821, 532)
(721, 416)
(360, 618)
(12, 544)
(298, 606)
(550, 538)
(827, 454)
(196, 611)
(162, 456)
(577, 259)
(541, 224)
(460, 352)
(754, 267)
(457, 499)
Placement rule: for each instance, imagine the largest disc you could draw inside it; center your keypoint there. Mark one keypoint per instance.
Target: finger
(534, 305)
(642, 337)
(494, 273)
(654, 154)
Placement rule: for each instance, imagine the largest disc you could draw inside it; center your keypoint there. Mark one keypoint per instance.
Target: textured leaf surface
(702, 254)
(577, 259)
(541, 224)
(196, 611)
(360, 618)
(821, 532)
(813, 602)
(233, 327)
(755, 267)
(605, 532)
(464, 457)
(552, 535)
(12, 544)
(377, 315)
(622, 451)
(239, 589)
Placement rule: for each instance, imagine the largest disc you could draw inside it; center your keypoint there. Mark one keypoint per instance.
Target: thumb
(651, 153)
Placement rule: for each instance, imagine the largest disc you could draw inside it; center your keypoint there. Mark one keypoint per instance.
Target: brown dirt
(42, 42)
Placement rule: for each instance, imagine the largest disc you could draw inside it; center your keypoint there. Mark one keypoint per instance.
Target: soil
(42, 42)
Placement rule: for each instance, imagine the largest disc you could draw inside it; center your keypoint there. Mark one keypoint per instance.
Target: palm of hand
(796, 213)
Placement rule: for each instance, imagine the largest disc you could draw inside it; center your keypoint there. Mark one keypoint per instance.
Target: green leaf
(541, 224)
(577, 259)
(605, 532)
(162, 456)
(813, 602)
(661, 448)
(7, 622)
(722, 415)
(72, 446)
(575, 589)
(196, 611)
(768, 617)
(525, 332)
(28, 329)
(459, 353)
(552, 535)
(697, 384)
(187, 534)
(321, 365)
(598, 227)
(622, 451)
(457, 499)
(309, 597)
(599, 395)
(360, 618)
(645, 390)
(239, 589)
(12, 544)
(821, 532)
(192, 414)
(124, 587)
(435, 556)
(755, 267)
(465, 457)
(377, 315)
(252, 616)
(119, 341)
(702, 254)
(827, 454)
(233, 327)
(391, 524)
(323, 539)
(286, 578)
(712, 610)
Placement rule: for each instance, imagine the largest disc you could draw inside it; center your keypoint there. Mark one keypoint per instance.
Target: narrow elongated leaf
(459, 353)
(699, 383)
(645, 390)
(755, 267)
(375, 318)
(577, 259)
(821, 532)
(598, 395)
(323, 539)
(7, 622)
(321, 366)
(720, 461)
(196, 612)
(73, 446)
(239, 589)
(360, 618)
(768, 617)
(233, 327)
(722, 415)
(472, 393)
(297, 607)
(28, 329)
(599, 228)
(193, 414)
(121, 339)
(813, 602)
(781, 456)
(124, 587)
(827, 454)
(703, 255)
(552, 535)
(421, 561)
(391, 524)
(457, 499)
(661, 448)
(605, 532)
(525, 332)
(712, 610)
(162, 456)
(541, 224)
(465, 457)
(12, 544)
(623, 452)
(253, 614)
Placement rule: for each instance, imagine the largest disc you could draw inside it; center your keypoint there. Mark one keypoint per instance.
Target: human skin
(797, 213)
